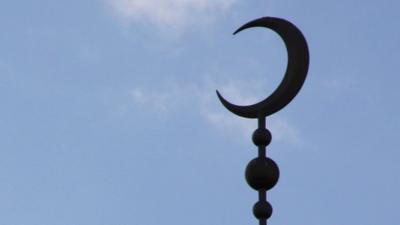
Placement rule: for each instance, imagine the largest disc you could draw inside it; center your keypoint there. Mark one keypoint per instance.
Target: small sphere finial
(262, 210)
(262, 137)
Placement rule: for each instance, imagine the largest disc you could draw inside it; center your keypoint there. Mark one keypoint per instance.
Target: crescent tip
(221, 99)
(243, 111)
(237, 31)
(261, 22)
(242, 28)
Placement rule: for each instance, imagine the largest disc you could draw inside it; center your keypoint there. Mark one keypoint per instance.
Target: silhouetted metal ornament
(262, 173)
(262, 210)
(262, 137)
(296, 71)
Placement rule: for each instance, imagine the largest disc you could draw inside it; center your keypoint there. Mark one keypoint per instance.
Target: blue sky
(109, 114)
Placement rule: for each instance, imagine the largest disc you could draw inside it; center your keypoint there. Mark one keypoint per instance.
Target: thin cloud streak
(173, 15)
(205, 101)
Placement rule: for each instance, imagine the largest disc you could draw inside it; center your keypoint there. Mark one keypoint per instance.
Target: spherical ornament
(262, 210)
(262, 137)
(262, 173)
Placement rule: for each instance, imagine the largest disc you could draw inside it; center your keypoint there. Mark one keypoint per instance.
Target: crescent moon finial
(295, 75)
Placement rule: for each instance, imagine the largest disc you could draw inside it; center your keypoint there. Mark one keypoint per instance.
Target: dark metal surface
(296, 72)
(262, 173)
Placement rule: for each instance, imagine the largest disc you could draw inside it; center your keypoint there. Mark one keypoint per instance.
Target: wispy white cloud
(160, 101)
(156, 100)
(169, 14)
(205, 102)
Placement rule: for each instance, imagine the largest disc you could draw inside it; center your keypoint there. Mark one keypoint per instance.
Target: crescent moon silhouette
(295, 75)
